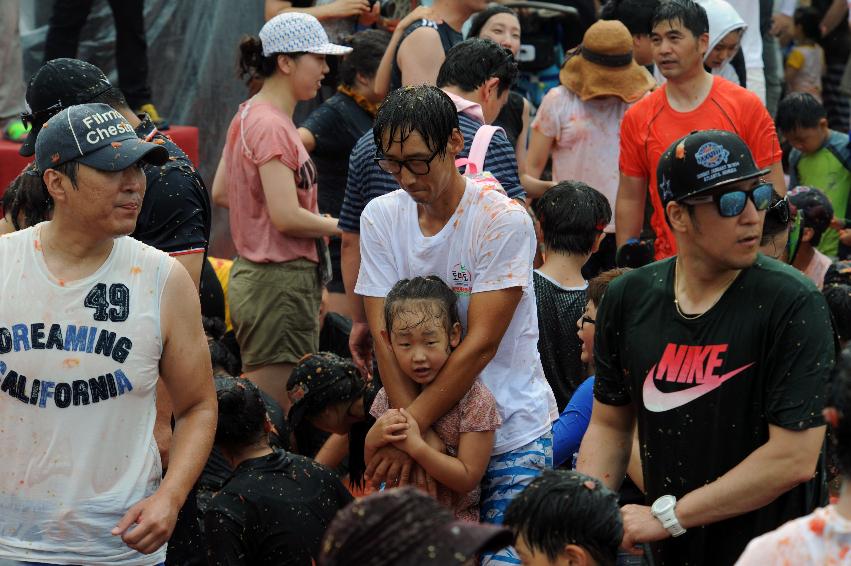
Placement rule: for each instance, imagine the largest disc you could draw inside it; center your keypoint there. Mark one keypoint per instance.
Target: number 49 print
(114, 306)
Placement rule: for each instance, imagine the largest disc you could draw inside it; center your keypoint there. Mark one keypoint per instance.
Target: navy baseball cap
(57, 85)
(95, 135)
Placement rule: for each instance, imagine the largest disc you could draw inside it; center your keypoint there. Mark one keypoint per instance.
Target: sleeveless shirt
(79, 365)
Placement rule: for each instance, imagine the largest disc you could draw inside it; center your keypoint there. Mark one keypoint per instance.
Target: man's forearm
(629, 215)
(767, 473)
(604, 454)
(191, 444)
(350, 265)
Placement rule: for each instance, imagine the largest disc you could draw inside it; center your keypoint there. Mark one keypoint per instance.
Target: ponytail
(252, 62)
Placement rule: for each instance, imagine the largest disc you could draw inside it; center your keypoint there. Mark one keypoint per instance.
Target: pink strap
(475, 161)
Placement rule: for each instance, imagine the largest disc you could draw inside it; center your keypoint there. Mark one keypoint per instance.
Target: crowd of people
(460, 327)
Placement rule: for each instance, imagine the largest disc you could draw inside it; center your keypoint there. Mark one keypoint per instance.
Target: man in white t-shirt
(89, 320)
(482, 244)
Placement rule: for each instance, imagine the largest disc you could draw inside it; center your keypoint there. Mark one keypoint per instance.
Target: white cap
(297, 32)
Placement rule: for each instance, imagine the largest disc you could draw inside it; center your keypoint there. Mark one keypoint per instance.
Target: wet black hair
(636, 15)
(242, 413)
(838, 297)
(562, 507)
(368, 47)
(839, 397)
(431, 289)
(26, 195)
(253, 64)
(809, 18)
(470, 63)
(689, 13)
(112, 97)
(220, 355)
(799, 110)
(572, 215)
(774, 222)
(481, 18)
(424, 109)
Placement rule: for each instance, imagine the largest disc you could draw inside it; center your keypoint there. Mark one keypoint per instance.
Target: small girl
(422, 328)
(805, 64)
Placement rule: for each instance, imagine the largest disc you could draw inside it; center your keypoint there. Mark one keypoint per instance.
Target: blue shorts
(507, 475)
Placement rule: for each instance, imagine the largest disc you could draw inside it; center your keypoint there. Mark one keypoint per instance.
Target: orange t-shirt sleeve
(759, 133)
(632, 158)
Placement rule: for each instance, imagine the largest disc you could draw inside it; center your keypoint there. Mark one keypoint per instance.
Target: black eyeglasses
(586, 320)
(733, 203)
(781, 210)
(415, 166)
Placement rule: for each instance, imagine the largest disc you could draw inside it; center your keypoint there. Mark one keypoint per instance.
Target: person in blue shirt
(570, 427)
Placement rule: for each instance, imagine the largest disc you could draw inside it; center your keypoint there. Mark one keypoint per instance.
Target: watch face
(663, 504)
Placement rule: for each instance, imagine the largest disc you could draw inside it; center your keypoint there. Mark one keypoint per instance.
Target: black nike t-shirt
(706, 390)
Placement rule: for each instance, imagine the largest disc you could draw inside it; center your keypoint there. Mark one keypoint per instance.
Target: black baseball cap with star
(59, 84)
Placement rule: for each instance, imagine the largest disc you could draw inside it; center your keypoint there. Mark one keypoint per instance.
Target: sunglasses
(415, 166)
(31, 119)
(586, 320)
(733, 203)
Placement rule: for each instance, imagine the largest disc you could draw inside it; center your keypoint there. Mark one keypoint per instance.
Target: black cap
(405, 526)
(58, 84)
(703, 161)
(95, 135)
(815, 206)
(318, 380)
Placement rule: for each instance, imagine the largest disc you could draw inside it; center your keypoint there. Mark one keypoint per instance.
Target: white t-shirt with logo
(488, 244)
(78, 371)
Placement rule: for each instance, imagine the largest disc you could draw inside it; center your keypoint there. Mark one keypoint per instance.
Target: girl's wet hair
(434, 297)
(368, 46)
(424, 109)
(242, 413)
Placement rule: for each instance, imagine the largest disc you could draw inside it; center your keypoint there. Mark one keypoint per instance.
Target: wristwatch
(663, 509)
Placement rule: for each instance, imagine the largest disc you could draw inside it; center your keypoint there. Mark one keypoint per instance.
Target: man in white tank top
(89, 318)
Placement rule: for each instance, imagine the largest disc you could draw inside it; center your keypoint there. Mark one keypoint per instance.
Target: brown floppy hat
(603, 65)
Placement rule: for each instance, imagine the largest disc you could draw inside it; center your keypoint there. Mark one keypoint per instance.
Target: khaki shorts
(275, 311)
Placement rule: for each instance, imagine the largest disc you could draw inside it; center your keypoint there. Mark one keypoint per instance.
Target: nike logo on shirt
(686, 364)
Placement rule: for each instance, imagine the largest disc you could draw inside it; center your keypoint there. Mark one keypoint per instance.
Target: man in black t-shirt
(176, 211)
(722, 356)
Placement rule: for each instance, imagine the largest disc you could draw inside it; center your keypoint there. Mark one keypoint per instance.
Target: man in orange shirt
(692, 99)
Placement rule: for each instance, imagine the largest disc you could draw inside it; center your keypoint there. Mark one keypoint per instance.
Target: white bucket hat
(297, 32)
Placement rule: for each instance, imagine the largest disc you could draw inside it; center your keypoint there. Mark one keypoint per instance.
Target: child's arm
(460, 474)
(383, 432)
(794, 62)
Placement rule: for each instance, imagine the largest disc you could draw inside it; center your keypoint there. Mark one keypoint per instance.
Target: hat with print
(296, 32)
(406, 526)
(58, 84)
(95, 135)
(319, 380)
(815, 206)
(704, 161)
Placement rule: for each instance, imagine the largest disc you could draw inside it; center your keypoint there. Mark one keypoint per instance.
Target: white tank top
(78, 371)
